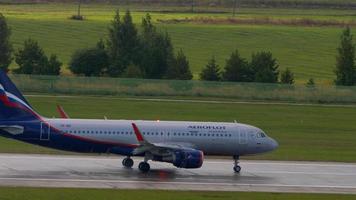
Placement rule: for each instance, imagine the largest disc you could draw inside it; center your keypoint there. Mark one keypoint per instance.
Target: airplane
(181, 143)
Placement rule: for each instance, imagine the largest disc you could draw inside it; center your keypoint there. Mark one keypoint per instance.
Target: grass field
(96, 194)
(325, 133)
(308, 51)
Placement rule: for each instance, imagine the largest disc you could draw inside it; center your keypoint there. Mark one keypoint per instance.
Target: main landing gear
(237, 168)
(127, 162)
(143, 166)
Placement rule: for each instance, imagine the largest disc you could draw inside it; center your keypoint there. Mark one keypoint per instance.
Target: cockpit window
(261, 135)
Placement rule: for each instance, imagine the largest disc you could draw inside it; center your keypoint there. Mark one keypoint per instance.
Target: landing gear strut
(127, 162)
(237, 168)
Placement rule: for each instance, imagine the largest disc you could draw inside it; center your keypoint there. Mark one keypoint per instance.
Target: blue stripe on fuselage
(61, 141)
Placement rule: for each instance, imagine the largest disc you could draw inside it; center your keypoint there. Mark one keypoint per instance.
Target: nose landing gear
(237, 168)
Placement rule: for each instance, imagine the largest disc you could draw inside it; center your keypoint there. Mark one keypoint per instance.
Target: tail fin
(13, 106)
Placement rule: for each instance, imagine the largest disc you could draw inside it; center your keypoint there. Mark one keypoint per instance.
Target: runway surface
(217, 175)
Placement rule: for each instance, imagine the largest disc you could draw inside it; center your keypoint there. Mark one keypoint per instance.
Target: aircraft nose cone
(273, 144)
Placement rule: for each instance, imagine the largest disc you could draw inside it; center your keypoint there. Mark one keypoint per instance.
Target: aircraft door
(242, 137)
(45, 131)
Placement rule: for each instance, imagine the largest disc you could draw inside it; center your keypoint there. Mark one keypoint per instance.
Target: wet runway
(217, 175)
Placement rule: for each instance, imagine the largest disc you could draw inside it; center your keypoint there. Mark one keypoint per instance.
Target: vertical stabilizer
(13, 106)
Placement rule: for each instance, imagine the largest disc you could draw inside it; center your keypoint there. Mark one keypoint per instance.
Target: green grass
(323, 133)
(7, 193)
(308, 51)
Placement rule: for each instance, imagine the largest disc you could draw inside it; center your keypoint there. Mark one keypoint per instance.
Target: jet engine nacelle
(188, 158)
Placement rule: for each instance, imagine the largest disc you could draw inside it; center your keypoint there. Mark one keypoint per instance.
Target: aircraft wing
(157, 148)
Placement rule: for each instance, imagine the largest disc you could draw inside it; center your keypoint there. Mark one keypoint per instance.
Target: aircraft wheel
(127, 162)
(144, 167)
(237, 169)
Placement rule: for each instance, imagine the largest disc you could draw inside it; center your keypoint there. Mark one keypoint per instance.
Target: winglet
(138, 134)
(62, 113)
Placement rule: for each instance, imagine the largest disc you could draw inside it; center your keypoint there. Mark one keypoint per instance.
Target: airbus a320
(181, 143)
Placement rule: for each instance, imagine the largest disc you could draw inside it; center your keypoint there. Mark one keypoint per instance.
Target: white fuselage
(212, 138)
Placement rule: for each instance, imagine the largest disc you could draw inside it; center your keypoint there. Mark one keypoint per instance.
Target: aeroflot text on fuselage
(208, 127)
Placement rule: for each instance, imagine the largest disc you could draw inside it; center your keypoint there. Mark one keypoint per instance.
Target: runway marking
(242, 162)
(177, 182)
(196, 101)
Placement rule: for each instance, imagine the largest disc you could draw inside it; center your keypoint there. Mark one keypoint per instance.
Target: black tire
(237, 169)
(144, 167)
(127, 162)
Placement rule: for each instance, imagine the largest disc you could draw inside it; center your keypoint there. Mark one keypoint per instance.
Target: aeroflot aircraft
(181, 143)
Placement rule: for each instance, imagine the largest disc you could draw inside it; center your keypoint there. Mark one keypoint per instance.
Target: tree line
(263, 68)
(150, 54)
(128, 53)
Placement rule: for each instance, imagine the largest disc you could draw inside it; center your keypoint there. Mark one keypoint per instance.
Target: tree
(53, 66)
(123, 44)
(265, 67)
(211, 72)
(89, 62)
(157, 50)
(287, 77)
(345, 60)
(5, 45)
(237, 69)
(180, 68)
(31, 59)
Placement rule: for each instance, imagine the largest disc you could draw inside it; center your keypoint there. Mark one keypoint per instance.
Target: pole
(192, 5)
(234, 8)
(79, 4)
